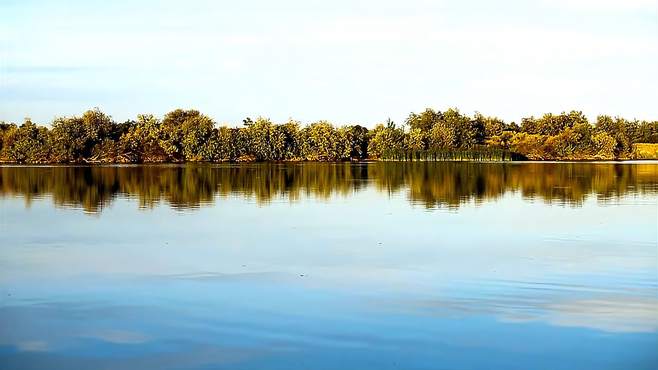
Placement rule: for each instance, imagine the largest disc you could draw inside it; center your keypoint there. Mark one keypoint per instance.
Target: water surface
(328, 266)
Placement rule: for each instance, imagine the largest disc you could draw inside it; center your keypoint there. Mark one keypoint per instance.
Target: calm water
(330, 266)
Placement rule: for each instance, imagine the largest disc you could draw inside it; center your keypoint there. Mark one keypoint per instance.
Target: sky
(359, 61)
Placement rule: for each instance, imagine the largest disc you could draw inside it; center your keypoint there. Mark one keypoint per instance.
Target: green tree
(223, 136)
(386, 140)
(424, 122)
(529, 145)
(487, 127)
(73, 139)
(571, 143)
(502, 141)
(261, 139)
(551, 124)
(603, 146)
(141, 142)
(292, 141)
(647, 132)
(415, 140)
(620, 130)
(185, 135)
(357, 141)
(323, 142)
(466, 132)
(240, 145)
(442, 136)
(25, 144)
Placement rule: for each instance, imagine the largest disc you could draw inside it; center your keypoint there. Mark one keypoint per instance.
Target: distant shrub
(645, 151)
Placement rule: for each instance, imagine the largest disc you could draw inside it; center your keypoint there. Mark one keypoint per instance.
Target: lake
(330, 266)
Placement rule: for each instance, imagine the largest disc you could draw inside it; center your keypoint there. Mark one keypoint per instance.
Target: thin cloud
(604, 5)
(45, 69)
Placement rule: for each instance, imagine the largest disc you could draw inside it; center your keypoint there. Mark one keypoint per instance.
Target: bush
(645, 151)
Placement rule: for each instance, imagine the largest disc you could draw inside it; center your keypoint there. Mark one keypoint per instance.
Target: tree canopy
(190, 136)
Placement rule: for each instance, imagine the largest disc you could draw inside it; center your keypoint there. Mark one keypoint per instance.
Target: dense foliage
(190, 136)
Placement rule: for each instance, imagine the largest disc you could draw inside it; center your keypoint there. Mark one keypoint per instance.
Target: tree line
(190, 136)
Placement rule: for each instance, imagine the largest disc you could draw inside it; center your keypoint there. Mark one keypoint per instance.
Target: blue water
(366, 276)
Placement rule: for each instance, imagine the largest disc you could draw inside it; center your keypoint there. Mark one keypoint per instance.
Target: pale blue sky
(345, 61)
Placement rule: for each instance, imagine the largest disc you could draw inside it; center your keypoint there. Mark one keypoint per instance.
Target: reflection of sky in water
(367, 280)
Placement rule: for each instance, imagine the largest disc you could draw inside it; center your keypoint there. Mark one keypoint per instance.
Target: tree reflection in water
(442, 184)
